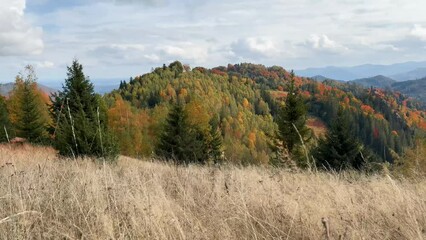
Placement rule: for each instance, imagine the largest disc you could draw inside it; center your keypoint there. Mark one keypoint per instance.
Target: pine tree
(29, 113)
(291, 123)
(81, 119)
(4, 121)
(339, 149)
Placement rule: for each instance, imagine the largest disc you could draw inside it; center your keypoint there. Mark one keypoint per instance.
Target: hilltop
(246, 97)
(378, 81)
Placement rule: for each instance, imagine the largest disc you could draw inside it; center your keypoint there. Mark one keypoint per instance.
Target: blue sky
(123, 38)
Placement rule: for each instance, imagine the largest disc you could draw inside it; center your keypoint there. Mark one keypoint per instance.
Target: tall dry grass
(43, 197)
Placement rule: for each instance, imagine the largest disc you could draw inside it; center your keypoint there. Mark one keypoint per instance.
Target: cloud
(17, 36)
(419, 32)
(254, 48)
(186, 51)
(323, 43)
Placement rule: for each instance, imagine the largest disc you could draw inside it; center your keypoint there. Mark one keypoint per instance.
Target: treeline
(241, 114)
(73, 120)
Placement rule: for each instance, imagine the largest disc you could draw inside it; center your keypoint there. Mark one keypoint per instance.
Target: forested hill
(244, 98)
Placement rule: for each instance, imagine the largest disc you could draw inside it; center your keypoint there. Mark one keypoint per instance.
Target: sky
(117, 39)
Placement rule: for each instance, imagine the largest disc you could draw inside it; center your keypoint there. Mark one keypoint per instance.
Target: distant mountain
(330, 72)
(363, 71)
(321, 78)
(378, 81)
(410, 75)
(101, 85)
(6, 88)
(413, 88)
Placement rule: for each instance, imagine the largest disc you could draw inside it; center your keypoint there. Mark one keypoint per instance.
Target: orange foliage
(366, 109)
(379, 116)
(246, 103)
(252, 140)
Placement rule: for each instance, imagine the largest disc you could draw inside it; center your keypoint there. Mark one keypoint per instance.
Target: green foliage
(247, 98)
(230, 99)
(81, 118)
(4, 120)
(339, 150)
(291, 122)
(30, 117)
(186, 143)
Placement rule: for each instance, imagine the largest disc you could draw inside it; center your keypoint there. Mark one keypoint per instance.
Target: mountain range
(6, 88)
(399, 71)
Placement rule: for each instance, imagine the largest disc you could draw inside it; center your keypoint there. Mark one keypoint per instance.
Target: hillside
(51, 198)
(410, 75)
(244, 98)
(6, 88)
(378, 81)
(414, 88)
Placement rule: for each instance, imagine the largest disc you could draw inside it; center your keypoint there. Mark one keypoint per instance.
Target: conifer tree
(188, 143)
(215, 141)
(340, 150)
(172, 144)
(291, 122)
(4, 121)
(81, 119)
(29, 113)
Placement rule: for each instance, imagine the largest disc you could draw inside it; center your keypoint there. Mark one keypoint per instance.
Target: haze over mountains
(399, 71)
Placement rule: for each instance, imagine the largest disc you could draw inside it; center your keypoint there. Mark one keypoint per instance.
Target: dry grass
(42, 197)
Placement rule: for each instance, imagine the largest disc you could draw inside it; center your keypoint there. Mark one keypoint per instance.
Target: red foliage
(218, 72)
(376, 133)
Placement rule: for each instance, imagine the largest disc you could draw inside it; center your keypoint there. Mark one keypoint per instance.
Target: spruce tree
(186, 143)
(4, 121)
(173, 140)
(81, 120)
(28, 110)
(340, 150)
(291, 123)
(215, 142)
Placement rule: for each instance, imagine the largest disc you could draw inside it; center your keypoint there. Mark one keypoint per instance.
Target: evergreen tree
(188, 143)
(292, 124)
(215, 141)
(4, 121)
(81, 127)
(173, 140)
(29, 112)
(339, 149)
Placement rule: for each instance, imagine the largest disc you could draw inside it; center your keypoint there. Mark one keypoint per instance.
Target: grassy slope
(148, 200)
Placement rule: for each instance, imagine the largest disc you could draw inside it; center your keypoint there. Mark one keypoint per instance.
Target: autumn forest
(243, 114)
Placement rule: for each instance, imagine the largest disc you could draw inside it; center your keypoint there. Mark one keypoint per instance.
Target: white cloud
(419, 31)
(186, 51)
(124, 37)
(254, 48)
(17, 36)
(323, 43)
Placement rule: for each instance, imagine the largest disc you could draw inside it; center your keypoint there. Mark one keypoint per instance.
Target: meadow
(43, 196)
